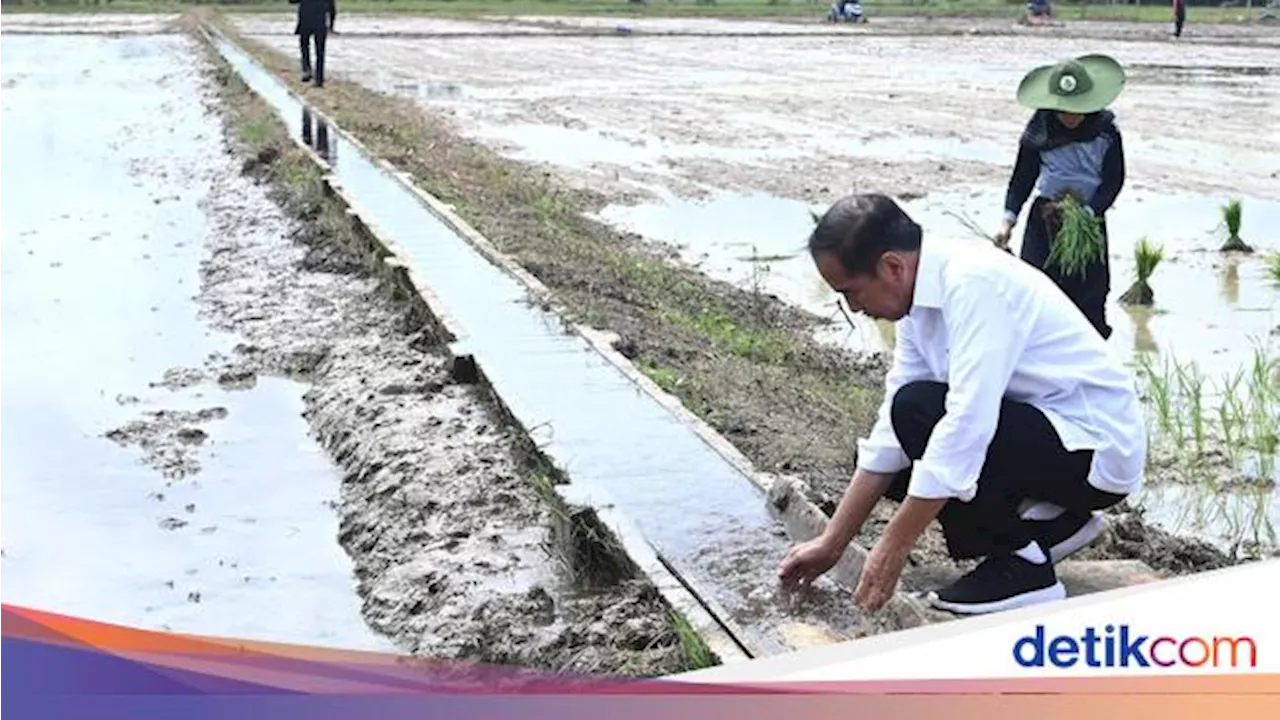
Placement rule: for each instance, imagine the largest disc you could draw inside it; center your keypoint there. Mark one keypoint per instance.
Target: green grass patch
(696, 652)
(666, 378)
(761, 345)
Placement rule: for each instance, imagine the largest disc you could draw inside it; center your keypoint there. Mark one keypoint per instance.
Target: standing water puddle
(619, 446)
(101, 251)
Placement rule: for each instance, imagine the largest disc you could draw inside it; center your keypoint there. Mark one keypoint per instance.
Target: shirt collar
(928, 290)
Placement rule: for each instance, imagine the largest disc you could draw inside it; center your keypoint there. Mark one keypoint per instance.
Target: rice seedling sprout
(1231, 216)
(1078, 241)
(1146, 256)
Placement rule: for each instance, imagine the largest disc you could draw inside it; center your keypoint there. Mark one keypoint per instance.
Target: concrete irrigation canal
(237, 334)
(618, 445)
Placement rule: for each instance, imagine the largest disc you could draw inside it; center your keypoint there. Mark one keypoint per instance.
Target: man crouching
(1005, 416)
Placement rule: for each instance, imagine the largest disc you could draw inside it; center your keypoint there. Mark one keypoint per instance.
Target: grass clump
(1273, 266)
(1231, 213)
(1078, 240)
(1146, 257)
(696, 652)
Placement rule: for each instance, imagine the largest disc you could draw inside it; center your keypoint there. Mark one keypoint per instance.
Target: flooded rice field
(721, 143)
(137, 490)
(216, 410)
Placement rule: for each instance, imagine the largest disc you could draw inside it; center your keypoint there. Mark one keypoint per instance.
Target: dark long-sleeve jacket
(315, 16)
(1088, 160)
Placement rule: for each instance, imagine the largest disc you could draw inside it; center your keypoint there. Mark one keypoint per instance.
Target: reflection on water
(1238, 519)
(320, 142)
(1143, 340)
(1230, 281)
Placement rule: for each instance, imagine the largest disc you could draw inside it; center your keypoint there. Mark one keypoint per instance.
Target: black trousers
(305, 40)
(1026, 461)
(1088, 291)
(1179, 18)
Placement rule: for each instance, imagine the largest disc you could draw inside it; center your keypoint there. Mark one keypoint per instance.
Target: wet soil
(746, 362)
(439, 504)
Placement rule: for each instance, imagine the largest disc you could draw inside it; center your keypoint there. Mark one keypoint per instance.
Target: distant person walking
(315, 22)
(1179, 16)
(1071, 145)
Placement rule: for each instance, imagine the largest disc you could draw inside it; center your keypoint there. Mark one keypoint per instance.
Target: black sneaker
(306, 77)
(1001, 582)
(1068, 533)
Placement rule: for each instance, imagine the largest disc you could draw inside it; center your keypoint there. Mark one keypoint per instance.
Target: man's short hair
(860, 228)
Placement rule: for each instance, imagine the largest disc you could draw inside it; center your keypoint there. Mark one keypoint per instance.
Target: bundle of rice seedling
(1231, 218)
(1145, 259)
(1078, 240)
(1273, 266)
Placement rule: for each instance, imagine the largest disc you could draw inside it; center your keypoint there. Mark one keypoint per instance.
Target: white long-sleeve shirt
(993, 327)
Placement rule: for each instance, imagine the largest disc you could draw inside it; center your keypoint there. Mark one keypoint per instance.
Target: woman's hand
(1003, 234)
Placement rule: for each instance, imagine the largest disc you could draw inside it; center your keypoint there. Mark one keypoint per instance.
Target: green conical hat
(1084, 85)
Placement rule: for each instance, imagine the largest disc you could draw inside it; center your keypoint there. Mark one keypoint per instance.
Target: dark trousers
(1179, 18)
(1026, 461)
(1088, 291)
(305, 40)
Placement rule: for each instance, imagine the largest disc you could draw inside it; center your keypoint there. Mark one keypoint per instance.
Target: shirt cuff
(881, 458)
(1010, 216)
(928, 482)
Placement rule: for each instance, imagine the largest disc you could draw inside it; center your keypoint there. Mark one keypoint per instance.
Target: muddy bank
(743, 361)
(440, 505)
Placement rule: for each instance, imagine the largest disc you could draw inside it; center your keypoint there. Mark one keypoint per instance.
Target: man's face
(884, 295)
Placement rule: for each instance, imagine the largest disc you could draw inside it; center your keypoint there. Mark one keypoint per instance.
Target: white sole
(1054, 592)
(1082, 537)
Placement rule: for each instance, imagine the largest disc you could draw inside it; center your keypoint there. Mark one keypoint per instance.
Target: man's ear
(894, 265)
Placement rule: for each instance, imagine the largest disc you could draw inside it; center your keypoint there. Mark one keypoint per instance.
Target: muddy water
(754, 240)
(1210, 309)
(616, 444)
(135, 492)
(775, 114)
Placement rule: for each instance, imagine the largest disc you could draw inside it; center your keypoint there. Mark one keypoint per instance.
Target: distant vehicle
(1039, 11)
(846, 11)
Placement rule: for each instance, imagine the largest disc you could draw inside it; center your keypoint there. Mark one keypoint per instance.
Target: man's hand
(880, 574)
(806, 561)
(1003, 234)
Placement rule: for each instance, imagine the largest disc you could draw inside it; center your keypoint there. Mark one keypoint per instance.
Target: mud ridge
(457, 554)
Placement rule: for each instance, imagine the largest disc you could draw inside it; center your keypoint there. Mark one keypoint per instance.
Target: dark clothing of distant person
(1179, 16)
(315, 22)
(1090, 159)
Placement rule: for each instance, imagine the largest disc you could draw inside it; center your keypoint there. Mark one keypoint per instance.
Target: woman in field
(1071, 145)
